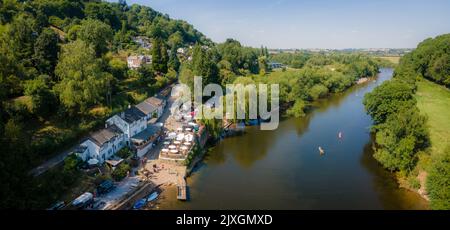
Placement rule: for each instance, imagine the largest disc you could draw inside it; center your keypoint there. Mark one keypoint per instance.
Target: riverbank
(286, 165)
(433, 100)
(253, 149)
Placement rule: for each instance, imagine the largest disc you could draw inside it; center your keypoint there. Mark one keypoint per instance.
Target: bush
(121, 171)
(298, 109)
(125, 153)
(387, 99)
(71, 163)
(400, 138)
(318, 91)
(438, 182)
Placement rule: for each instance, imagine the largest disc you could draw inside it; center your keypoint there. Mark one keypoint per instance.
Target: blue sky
(313, 23)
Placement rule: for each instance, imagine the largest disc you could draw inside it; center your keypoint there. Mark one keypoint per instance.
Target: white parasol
(92, 161)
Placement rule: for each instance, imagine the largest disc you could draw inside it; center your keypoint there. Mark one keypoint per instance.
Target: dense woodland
(401, 131)
(63, 71)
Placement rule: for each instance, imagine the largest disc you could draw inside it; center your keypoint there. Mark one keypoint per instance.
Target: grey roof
(154, 101)
(146, 107)
(102, 136)
(146, 133)
(132, 114)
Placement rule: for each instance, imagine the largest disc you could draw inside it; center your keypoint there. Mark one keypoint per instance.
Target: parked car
(57, 206)
(99, 205)
(84, 200)
(105, 187)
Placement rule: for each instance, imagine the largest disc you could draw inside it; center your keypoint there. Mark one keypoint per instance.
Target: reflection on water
(282, 169)
(386, 186)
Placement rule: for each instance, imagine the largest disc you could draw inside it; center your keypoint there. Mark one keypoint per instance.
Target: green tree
(118, 68)
(159, 56)
(203, 65)
(231, 51)
(71, 164)
(298, 109)
(263, 65)
(146, 75)
(121, 171)
(46, 51)
(103, 12)
(438, 181)
(174, 62)
(16, 186)
(387, 98)
(186, 76)
(42, 98)
(400, 138)
(318, 91)
(82, 80)
(21, 39)
(97, 34)
(175, 40)
(7, 10)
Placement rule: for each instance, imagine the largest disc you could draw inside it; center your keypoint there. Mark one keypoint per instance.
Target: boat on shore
(139, 204)
(152, 196)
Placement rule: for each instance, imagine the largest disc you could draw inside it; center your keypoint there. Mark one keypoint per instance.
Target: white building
(152, 107)
(181, 50)
(131, 121)
(145, 140)
(128, 128)
(135, 62)
(102, 144)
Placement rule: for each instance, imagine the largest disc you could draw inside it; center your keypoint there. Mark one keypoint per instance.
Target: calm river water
(283, 169)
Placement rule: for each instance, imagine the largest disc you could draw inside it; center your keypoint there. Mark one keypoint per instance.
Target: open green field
(434, 101)
(393, 59)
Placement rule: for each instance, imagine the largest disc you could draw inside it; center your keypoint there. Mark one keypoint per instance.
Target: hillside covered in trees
(63, 71)
(402, 132)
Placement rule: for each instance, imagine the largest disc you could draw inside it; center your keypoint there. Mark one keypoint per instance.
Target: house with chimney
(129, 128)
(131, 122)
(101, 145)
(152, 107)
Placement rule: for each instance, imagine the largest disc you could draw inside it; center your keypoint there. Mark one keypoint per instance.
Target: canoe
(152, 196)
(139, 204)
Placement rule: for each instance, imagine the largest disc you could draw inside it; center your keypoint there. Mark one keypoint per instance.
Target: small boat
(321, 150)
(152, 196)
(139, 204)
(340, 135)
(253, 122)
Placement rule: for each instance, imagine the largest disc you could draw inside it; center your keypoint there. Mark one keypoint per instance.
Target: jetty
(182, 189)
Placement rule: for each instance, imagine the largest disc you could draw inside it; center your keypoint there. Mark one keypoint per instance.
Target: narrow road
(58, 159)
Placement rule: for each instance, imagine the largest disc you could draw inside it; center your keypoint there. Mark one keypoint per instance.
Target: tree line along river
(282, 169)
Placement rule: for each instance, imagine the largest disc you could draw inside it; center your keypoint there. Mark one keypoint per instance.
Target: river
(282, 169)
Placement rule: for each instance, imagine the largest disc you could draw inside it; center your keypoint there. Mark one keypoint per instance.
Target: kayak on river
(321, 150)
